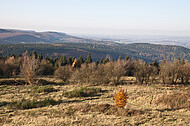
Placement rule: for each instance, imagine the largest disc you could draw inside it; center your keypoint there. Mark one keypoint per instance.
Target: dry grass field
(59, 104)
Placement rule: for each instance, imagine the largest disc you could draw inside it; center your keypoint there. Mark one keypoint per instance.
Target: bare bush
(29, 68)
(1, 67)
(11, 67)
(128, 68)
(85, 74)
(153, 73)
(64, 72)
(141, 71)
(46, 68)
(168, 72)
(118, 70)
(103, 73)
(185, 72)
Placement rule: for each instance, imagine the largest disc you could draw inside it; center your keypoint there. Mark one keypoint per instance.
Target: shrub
(40, 89)
(27, 104)
(168, 72)
(142, 71)
(85, 74)
(46, 67)
(42, 82)
(174, 72)
(82, 92)
(119, 70)
(184, 73)
(102, 74)
(1, 68)
(10, 67)
(3, 103)
(64, 72)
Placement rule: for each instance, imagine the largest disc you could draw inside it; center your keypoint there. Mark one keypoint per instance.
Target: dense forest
(146, 52)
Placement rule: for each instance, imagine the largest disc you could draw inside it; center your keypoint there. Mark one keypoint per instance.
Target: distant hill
(5, 31)
(56, 44)
(145, 51)
(8, 36)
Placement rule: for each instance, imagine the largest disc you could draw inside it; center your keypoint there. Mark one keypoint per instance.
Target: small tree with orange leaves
(74, 63)
(121, 98)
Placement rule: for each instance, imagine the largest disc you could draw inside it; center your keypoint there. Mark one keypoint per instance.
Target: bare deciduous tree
(29, 68)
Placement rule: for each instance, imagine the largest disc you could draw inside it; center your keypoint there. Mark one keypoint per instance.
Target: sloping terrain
(142, 107)
(147, 52)
(19, 36)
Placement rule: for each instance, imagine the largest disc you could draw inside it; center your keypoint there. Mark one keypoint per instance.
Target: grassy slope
(80, 111)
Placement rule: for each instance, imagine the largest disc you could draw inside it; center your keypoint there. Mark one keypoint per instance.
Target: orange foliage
(120, 98)
(73, 65)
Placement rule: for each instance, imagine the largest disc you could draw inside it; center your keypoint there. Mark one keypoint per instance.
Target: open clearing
(142, 107)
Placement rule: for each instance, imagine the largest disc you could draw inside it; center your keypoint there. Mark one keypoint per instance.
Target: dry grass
(107, 109)
(176, 100)
(98, 109)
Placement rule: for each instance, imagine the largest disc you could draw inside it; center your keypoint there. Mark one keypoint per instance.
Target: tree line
(105, 71)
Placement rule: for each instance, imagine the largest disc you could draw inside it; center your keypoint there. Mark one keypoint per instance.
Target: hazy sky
(125, 17)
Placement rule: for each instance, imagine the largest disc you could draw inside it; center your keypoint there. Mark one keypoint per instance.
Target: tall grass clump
(82, 92)
(28, 104)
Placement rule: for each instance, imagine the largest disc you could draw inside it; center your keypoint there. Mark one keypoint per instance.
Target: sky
(106, 17)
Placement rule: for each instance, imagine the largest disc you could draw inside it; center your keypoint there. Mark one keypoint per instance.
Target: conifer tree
(40, 57)
(127, 58)
(101, 61)
(34, 54)
(73, 59)
(64, 61)
(119, 58)
(155, 63)
(69, 60)
(13, 55)
(106, 60)
(89, 59)
(81, 60)
(18, 55)
(97, 63)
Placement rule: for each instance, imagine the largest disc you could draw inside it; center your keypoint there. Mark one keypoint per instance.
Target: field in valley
(52, 104)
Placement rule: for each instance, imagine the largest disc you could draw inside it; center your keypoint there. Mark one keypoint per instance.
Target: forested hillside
(147, 52)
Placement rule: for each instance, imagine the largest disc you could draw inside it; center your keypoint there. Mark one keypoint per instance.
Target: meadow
(53, 102)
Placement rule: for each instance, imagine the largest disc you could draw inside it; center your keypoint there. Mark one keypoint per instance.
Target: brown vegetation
(42, 105)
(176, 100)
(64, 73)
(172, 73)
(29, 68)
